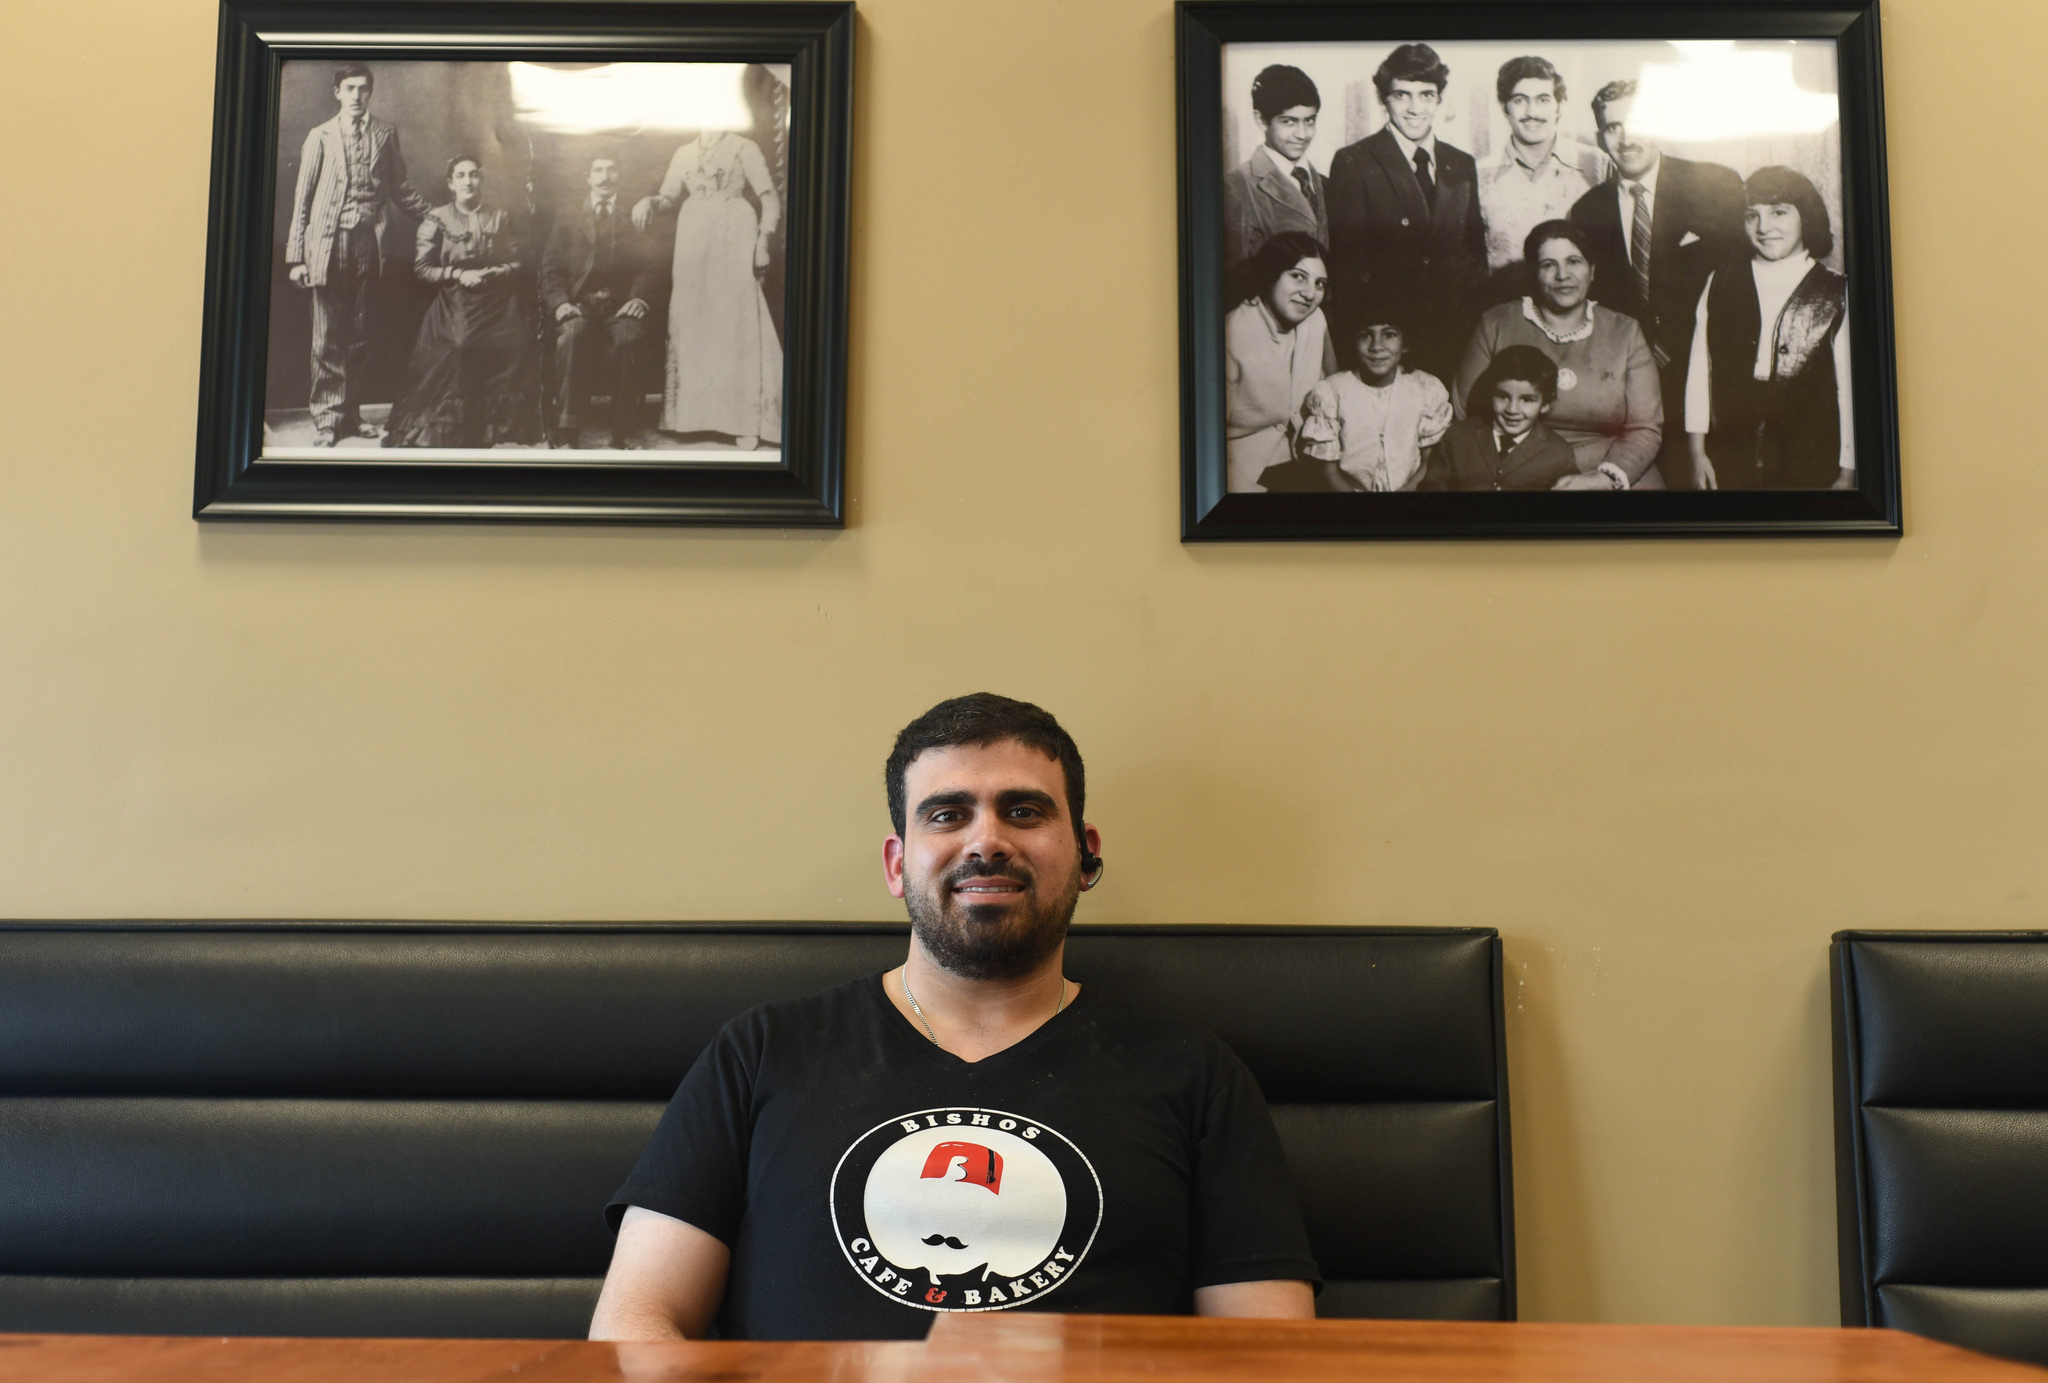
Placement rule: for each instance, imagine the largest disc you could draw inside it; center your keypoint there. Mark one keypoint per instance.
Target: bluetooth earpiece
(1092, 867)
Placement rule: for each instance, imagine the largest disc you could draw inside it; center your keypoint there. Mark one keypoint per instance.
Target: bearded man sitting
(970, 1130)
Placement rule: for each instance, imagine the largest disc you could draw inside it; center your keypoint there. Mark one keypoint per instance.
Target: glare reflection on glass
(632, 96)
(1714, 92)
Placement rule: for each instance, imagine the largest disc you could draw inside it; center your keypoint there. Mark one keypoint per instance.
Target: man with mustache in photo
(970, 1130)
(1540, 174)
(1658, 227)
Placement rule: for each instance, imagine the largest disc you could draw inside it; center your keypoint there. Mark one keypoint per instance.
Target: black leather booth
(411, 1129)
(1941, 1135)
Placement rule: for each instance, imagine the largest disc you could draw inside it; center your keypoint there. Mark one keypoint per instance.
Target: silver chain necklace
(903, 978)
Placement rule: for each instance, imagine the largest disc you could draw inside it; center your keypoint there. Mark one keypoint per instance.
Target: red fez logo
(979, 1165)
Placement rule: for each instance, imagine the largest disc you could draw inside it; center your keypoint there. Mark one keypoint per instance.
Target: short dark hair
(1607, 95)
(1778, 184)
(1525, 363)
(1555, 230)
(1515, 71)
(354, 69)
(449, 174)
(1374, 305)
(980, 719)
(1411, 62)
(1281, 88)
(1257, 275)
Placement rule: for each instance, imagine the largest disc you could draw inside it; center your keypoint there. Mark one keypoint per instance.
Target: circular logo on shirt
(964, 1209)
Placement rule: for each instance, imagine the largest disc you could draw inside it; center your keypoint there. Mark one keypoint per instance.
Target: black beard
(972, 941)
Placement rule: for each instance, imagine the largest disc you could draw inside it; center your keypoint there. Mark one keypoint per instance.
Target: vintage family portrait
(1579, 265)
(563, 262)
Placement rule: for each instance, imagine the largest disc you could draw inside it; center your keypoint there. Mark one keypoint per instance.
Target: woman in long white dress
(724, 360)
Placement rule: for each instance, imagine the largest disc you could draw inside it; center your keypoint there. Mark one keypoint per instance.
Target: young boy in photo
(1368, 426)
(1501, 443)
(1277, 189)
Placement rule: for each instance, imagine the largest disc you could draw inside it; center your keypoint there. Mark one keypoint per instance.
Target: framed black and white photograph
(1485, 270)
(528, 261)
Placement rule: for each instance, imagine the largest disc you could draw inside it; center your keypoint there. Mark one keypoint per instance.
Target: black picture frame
(1209, 513)
(233, 481)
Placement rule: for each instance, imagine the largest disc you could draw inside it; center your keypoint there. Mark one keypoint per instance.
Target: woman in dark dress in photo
(472, 366)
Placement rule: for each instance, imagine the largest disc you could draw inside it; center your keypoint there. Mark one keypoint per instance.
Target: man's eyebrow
(957, 798)
(1009, 797)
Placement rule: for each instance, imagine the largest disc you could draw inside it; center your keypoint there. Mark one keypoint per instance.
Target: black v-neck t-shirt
(865, 1179)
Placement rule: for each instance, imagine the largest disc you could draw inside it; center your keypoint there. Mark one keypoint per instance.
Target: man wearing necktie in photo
(1276, 189)
(596, 279)
(1658, 227)
(350, 174)
(1404, 212)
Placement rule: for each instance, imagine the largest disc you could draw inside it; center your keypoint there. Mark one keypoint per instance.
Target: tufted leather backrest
(394, 1129)
(1941, 1135)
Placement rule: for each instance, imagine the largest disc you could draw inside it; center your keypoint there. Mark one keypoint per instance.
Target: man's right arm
(302, 206)
(554, 266)
(1720, 212)
(666, 1280)
(1344, 200)
(1237, 221)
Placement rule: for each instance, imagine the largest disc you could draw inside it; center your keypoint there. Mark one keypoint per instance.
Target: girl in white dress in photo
(724, 359)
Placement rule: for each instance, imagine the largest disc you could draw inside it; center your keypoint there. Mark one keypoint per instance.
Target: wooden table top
(1020, 1347)
(178, 1359)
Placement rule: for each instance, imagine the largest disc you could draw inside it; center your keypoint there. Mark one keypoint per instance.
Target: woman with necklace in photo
(1610, 405)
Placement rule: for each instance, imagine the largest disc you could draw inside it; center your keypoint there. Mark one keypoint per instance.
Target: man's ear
(892, 864)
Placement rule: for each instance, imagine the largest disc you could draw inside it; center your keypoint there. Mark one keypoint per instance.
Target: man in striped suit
(350, 175)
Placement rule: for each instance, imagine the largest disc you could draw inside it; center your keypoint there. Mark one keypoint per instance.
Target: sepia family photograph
(1534, 266)
(540, 262)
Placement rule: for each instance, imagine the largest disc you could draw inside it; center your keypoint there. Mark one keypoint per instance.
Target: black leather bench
(1941, 1135)
(411, 1129)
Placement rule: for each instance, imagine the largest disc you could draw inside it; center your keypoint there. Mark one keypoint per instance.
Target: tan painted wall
(1665, 771)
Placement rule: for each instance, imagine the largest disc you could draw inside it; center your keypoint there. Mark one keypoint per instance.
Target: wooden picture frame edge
(1873, 509)
(807, 489)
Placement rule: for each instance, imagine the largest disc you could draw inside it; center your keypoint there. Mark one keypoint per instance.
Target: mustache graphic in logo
(948, 1240)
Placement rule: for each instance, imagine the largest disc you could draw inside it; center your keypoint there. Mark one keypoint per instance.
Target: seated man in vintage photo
(597, 277)
(967, 1131)
(351, 175)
